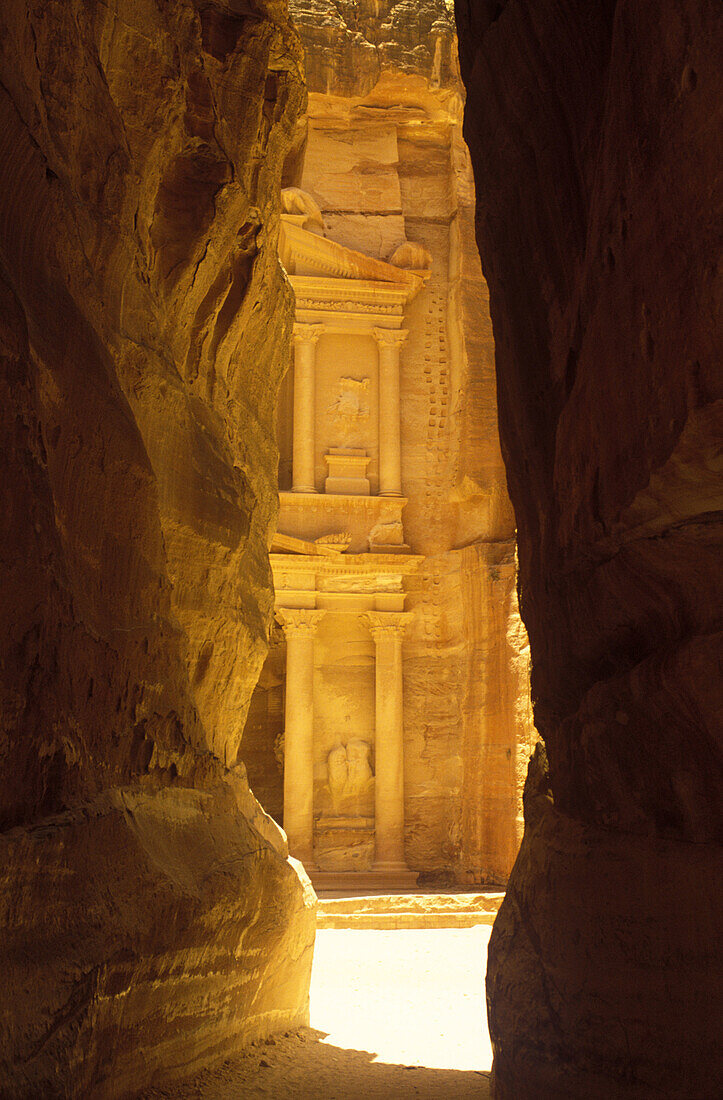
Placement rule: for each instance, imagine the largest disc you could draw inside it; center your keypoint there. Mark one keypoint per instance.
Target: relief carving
(340, 541)
(386, 534)
(412, 255)
(350, 776)
(351, 407)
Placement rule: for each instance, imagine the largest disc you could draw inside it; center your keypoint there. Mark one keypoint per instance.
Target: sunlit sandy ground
(396, 1014)
(413, 997)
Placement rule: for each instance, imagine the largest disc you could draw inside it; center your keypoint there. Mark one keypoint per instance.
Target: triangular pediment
(305, 253)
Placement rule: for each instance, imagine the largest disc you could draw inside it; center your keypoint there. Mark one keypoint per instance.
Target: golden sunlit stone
(415, 740)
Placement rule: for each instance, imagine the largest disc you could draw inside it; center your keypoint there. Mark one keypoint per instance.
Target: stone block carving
(347, 471)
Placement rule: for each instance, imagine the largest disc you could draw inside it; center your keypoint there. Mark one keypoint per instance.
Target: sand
(393, 1014)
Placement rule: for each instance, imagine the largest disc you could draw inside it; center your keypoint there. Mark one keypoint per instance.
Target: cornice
(300, 248)
(354, 295)
(351, 564)
(331, 501)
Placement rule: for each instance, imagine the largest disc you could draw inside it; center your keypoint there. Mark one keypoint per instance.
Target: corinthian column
(305, 340)
(390, 447)
(299, 627)
(387, 629)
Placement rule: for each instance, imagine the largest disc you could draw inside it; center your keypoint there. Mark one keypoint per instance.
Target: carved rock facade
(387, 433)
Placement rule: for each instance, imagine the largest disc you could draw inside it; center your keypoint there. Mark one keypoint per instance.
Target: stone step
(408, 910)
(362, 882)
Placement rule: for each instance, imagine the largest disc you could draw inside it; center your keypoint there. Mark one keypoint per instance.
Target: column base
(391, 494)
(304, 489)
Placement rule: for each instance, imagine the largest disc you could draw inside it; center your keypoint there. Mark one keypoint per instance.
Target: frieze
(335, 306)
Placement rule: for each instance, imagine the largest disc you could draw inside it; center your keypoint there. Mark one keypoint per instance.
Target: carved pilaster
(387, 628)
(300, 626)
(306, 338)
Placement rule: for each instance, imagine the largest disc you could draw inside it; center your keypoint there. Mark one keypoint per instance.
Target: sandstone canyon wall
(381, 153)
(151, 918)
(595, 131)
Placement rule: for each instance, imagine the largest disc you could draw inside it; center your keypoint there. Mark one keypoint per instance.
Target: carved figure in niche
(386, 534)
(351, 406)
(338, 770)
(358, 755)
(350, 776)
(298, 202)
(412, 256)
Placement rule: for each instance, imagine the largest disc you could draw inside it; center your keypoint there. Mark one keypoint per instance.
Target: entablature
(346, 583)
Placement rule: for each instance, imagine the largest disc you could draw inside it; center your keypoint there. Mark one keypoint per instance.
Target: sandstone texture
(594, 131)
(379, 167)
(145, 898)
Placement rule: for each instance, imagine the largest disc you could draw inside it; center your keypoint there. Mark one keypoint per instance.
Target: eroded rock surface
(145, 898)
(594, 131)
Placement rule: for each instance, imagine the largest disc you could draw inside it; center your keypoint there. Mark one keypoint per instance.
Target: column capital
(307, 334)
(390, 337)
(299, 621)
(386, 624)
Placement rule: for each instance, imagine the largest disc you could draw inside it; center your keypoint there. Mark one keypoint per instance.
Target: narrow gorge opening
(156, 163)
(391, 727)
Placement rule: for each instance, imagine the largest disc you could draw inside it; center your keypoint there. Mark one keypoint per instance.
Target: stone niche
(344, 743)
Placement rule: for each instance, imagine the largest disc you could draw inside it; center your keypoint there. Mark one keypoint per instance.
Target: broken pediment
(326, 546)
(305, 252)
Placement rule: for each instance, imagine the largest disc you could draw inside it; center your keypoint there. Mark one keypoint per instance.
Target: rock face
(144, 329)
(381, 161)
(593, 134)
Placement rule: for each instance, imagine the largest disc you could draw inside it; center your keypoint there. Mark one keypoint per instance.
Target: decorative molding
(397, 565)
(349, 293)
(390, 337)
(361, 582)
(299, 249)
(386, 624)
(289, 499)
(298, 622)
(347, 307)
(290, 544)
(339, 541)
(307, 334)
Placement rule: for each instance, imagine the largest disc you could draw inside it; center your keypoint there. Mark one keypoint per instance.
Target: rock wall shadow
(301, 1066)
